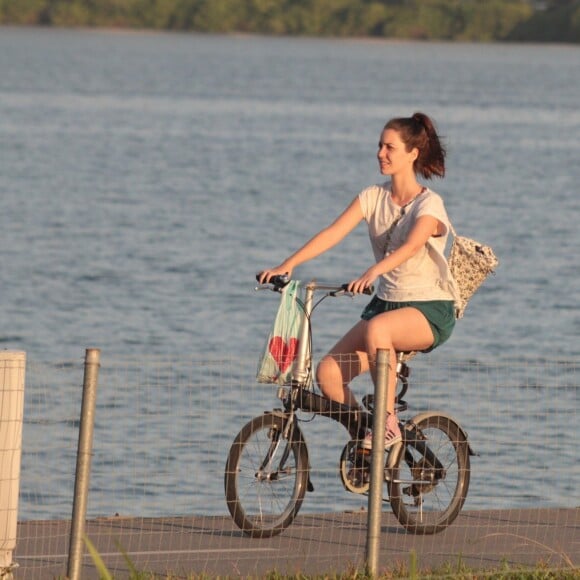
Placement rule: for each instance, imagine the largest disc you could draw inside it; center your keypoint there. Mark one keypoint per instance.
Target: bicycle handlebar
(277, 283)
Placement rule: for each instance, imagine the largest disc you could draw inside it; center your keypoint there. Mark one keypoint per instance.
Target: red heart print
(284, 354)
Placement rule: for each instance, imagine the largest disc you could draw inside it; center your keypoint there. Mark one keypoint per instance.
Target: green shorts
(440, 315)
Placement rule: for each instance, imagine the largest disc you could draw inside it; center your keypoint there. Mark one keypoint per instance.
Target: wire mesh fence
(163, 429)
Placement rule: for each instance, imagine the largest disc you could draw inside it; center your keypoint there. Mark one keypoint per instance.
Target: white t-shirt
(424, 276)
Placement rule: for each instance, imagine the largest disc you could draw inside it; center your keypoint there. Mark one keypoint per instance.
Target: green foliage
(22, 11)
(470, 20)
(493, 20)
(560, 23)
(70, 15)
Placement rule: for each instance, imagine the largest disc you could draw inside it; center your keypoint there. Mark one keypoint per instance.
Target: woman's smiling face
(392, 155)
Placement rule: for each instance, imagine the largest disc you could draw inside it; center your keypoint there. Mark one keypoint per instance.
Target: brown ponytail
(419, 131)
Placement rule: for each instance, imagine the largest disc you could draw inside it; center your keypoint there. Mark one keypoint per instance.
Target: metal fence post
(83, 469)
(375, 503)
(12, 368)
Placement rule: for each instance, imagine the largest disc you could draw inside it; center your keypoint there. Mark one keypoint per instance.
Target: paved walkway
(314, 544)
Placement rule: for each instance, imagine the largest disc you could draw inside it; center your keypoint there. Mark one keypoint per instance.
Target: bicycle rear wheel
(266, 476)
(429, 478)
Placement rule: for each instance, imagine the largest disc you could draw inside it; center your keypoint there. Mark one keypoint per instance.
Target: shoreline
(123, 30)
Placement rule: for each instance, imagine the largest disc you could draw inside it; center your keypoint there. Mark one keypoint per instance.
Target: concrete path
(314, 544)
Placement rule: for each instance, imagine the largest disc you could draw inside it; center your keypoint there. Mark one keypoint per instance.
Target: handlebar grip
(277, 281)
(368, 290)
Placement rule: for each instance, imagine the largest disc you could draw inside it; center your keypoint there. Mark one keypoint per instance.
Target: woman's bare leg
(346, 360)
(405, 329)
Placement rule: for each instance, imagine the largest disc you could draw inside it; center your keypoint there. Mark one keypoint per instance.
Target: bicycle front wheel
(266, 476)
(429, 478)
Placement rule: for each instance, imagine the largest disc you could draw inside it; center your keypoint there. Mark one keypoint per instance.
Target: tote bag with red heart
(281, 349)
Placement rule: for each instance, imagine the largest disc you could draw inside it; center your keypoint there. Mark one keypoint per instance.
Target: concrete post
(377, 464)
(12, 367)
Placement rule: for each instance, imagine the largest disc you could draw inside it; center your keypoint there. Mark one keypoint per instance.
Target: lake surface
(147, 177)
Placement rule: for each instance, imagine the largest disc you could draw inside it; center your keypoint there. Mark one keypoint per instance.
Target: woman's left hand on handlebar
(360, 284)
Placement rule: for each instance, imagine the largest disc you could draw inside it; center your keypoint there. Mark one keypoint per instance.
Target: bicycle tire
(266, 476)
(425, 498)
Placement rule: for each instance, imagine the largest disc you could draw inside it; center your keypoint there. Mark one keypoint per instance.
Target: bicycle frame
(355, 420)
(303, 363)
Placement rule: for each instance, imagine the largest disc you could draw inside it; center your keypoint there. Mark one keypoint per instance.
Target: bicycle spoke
(266, 477)
(429, 484)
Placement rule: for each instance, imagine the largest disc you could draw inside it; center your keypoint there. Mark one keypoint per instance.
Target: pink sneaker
(392, 433)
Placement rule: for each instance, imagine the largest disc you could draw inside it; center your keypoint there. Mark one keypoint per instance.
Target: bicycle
(267, 472)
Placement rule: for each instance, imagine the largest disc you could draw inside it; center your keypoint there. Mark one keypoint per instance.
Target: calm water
(146, 177)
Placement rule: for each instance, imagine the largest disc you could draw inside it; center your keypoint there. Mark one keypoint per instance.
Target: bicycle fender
(422, 416)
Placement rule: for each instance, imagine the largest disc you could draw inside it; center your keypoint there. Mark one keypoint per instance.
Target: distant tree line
(468, 20)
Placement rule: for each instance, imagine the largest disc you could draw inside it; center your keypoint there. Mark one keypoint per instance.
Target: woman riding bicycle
(413, 308)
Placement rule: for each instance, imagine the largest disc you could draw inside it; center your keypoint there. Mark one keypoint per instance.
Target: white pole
(12, 367)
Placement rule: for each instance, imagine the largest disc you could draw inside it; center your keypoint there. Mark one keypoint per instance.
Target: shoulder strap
(452, 230)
